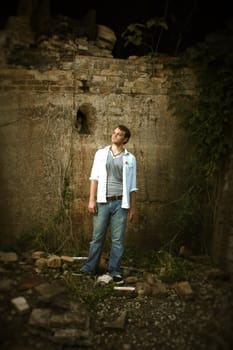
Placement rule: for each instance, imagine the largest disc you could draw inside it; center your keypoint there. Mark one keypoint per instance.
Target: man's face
(118, 137)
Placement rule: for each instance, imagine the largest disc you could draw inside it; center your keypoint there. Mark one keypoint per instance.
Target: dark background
(188, 20)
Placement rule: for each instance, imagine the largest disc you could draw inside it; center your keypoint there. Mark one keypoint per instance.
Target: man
(112, 200)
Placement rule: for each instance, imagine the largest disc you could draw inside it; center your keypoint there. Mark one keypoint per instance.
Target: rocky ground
(55, 308)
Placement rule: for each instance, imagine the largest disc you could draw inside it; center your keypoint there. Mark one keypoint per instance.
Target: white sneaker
(104, 279)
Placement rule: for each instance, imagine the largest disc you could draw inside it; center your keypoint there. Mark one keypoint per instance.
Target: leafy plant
(144, 34)
(166, 264)
(172, 268)
(207, 117)
(86, 293)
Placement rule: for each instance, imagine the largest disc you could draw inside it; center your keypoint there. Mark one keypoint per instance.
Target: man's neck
(116, 149)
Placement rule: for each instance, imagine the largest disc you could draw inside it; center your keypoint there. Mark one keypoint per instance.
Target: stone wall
(55, 116)
(52, 122)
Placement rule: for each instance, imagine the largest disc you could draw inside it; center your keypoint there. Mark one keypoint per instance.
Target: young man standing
(112, 201)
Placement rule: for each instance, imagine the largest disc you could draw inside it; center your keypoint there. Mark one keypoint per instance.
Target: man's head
(126, 131)
(120, 135)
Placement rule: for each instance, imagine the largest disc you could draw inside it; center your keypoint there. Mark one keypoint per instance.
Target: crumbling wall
(52, 122)
(59, 101)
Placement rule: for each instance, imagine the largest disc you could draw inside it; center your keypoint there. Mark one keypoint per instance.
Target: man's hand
(131, 214)
(92, 207)
(132, 209)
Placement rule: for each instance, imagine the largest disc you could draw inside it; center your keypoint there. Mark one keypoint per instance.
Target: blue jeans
(108, 213)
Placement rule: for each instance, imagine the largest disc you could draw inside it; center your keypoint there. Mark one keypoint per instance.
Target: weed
(87, 292)
(168, 266)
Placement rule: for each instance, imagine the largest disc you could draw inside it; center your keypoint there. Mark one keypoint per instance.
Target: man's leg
(100, 225)
(118, 226)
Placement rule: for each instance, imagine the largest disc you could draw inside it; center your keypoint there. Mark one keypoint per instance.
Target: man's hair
(126, 131)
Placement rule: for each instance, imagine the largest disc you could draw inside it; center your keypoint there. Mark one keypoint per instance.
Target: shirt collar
(125, 152)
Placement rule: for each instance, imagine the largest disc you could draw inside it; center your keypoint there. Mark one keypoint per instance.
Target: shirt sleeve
(95, 169)
(133, 185)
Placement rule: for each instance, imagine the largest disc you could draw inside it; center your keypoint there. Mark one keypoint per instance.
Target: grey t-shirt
(114, 168)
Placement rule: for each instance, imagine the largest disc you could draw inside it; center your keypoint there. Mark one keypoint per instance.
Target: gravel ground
(167, 322)
(163, 321)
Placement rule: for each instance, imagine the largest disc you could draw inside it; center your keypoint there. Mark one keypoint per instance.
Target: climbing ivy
(207, 117)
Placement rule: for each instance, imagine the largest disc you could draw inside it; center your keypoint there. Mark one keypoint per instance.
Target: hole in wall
(85, 118)
(85, 86)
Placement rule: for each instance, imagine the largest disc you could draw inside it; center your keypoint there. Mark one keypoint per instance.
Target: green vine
(66, 198)
(207, 118)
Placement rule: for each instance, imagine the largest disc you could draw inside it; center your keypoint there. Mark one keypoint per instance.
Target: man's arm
(92, 197)
(132, 209)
